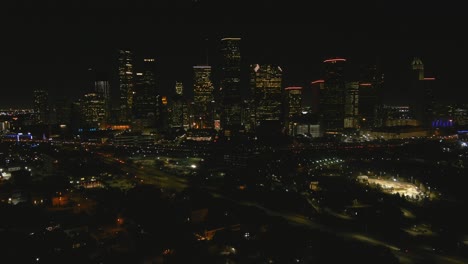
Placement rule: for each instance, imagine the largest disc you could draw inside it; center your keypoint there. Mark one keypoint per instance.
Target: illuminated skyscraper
(265, 84)
(421, 94)
(179, 88)
(178, 109)
(126, 85)
(102, 88)
(202, 97)
(145, 98)
(332, 96)
(293, 105)
(293, 101)
(418, 68)
(93, 111)
(352, 105)
(230, 83)
(41, 106)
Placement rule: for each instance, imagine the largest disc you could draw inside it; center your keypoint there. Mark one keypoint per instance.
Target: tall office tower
(418, 68)
(370, 97)
(126, 85)
(421, 94)
(248, 115)
(265, 85)
(316, 86)
(178, 109)
(352, 105)
(423, 101)
(63, 107)
(93, 111)
(146, 106)
(179, 88)
(230, 83)
(102, 88)
(41, 106)
(202, 97)
(293, 101)
(332, 97)
(293, 106)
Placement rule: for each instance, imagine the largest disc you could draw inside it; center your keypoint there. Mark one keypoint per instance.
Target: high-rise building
(230, 83)
(93, 111)
(265, 85)
(293, 101)
(179, 88)
(178, 109)
(126, 85)
(352, 105)
(418, 68)
(146, 105)
(293, 106)
(316, 86)
(41, 106)
(370, 97)
(332, 96)
(63, 107)
(203, 99)
(102, 88)
(421, 94)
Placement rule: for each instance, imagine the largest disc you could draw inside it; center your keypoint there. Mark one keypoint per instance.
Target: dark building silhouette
(332, 96)
(146, 100)
(421, 94)
(41, 106)
(370, 97)
(230, 83)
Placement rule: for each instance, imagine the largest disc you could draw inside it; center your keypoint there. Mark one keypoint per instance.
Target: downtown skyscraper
(265, 86)
(203, 99)
(370, 97)
(41, 106)
(332, 97)
(146, 100)
(126, 85)
(292, 105)
(230, 84)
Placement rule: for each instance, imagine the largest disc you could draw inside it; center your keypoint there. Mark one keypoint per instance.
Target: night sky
(52, 46)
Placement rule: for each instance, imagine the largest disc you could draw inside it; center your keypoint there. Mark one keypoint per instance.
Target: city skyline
(223, 131)
(297, 72)
(56, 51)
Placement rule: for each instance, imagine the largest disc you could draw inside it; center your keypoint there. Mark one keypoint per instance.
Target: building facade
(41, 106)
(145, 96)
(332, 97)
(231, 83)
(126, 85)
(266, 93)
(203, 99)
